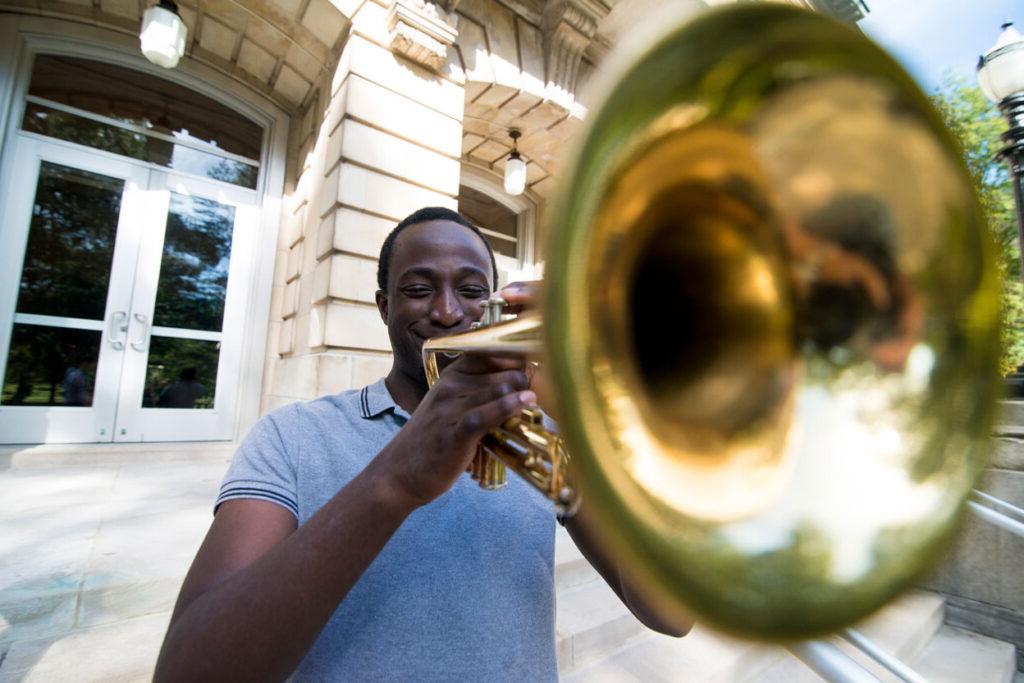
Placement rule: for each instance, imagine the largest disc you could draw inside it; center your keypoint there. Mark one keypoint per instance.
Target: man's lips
(420, 337)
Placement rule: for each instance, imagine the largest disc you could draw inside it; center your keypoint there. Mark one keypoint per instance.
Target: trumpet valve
(488, 471)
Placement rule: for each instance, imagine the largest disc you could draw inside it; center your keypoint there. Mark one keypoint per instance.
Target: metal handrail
(999, 502)
(831, 663)
(890, 662)
(992, 516)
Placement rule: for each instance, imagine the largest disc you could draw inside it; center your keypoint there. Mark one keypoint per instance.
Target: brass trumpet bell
(770, 321)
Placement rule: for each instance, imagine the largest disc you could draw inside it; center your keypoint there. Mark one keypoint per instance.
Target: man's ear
(382, 305)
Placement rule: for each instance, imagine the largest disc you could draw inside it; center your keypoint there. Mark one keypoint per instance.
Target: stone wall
(422, 93)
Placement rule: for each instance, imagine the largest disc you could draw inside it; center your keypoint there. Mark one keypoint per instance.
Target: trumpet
(770, 322)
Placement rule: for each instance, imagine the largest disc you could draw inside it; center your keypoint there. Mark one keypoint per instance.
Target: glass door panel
(182, 366)
(58, 319)
(67, 231)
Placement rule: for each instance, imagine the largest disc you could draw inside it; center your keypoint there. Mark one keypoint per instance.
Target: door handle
(118, 323)
(140, 343)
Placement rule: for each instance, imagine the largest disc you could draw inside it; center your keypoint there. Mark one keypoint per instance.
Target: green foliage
(978, 124)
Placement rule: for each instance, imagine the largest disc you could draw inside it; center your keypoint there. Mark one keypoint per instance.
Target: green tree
(978, 124)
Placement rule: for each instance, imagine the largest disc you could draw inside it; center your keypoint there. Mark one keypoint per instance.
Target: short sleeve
(263, 468)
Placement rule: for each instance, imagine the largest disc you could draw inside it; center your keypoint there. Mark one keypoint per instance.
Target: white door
(125, 320)
(184, 344)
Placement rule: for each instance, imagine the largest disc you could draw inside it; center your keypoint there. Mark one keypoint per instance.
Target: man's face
(439, 281)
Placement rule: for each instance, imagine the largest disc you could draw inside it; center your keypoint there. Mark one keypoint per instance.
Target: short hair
(424, 215)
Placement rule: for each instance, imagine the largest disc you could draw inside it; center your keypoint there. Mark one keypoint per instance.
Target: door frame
(23, 37)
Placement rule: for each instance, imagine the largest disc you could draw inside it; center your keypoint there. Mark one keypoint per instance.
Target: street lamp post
(1001, 77)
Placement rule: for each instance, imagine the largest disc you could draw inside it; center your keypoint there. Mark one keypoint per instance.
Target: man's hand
(473, 395)
(521, 296)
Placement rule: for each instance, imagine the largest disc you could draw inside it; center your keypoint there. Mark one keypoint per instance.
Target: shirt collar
(375, 400)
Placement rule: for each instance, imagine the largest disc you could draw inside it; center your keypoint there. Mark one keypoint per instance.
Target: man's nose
(447, 309)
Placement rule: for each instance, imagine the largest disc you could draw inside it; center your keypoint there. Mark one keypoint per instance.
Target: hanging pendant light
(163, 34)
(515, 167)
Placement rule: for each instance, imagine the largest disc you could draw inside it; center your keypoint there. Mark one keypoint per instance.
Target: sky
(930, 37)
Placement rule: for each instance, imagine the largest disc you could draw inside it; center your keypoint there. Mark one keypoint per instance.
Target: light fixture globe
(163, 34)
(515, 174)
(1001, 69)
(515, 167)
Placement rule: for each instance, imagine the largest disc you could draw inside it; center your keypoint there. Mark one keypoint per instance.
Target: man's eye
(474, 292)
(416, 292)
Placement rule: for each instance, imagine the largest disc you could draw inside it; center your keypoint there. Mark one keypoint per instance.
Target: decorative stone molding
(448, 5)
(569, 26)
(422, 31)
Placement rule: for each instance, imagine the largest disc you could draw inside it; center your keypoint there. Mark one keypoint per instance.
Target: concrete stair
(956, 655)
(599, 641)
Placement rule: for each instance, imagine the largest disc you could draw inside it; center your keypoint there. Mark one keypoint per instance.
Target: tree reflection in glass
(181, 373)
(50, 366)
(194, 270)
(70, 243)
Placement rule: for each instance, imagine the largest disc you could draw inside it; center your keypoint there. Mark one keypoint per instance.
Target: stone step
(51, 456)
(903, 628)
(703, 655)
(956, 655)
(571, 568)
(122, 652)
(119, 544)
(590, 622)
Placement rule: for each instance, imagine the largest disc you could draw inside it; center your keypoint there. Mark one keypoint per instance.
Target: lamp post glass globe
(1001, 69)
(515, 174)
(1001, 77)
(163, 35)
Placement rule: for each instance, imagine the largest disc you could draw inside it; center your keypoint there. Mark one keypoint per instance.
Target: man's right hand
(473, 395)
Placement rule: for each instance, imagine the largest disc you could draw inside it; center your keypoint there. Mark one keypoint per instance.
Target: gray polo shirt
(464, 590)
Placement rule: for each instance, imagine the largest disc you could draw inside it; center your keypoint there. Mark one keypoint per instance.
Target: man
(349, 544)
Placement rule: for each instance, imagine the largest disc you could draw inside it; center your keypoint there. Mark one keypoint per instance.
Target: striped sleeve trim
(364, 402)
(236, 492)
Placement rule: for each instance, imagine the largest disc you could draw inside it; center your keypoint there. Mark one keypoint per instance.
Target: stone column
(389, 143)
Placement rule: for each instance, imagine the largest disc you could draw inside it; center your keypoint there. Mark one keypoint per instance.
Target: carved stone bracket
(448, 5)
(568, 26)
(422, 31)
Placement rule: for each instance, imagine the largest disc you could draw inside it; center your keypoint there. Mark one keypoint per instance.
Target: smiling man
(348, 545)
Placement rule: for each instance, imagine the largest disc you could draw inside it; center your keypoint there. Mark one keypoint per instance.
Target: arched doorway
(132, 213)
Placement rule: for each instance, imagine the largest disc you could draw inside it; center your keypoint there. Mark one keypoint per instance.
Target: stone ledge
(991, 620)
(955, 655)
(45, 456)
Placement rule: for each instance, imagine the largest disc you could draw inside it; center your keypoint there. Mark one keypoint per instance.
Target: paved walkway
(95, 542)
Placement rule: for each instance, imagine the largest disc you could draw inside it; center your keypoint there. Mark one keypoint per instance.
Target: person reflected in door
(75, 382)
(182, 392)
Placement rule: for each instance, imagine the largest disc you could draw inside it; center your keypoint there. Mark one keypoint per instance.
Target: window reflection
(194, 269)
(50, 366)
(70, 243)
(500, 224)
(181, 373)
(82, 131)
(141, 99)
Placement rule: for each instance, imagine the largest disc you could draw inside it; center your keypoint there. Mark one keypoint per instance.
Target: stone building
(237, 203)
